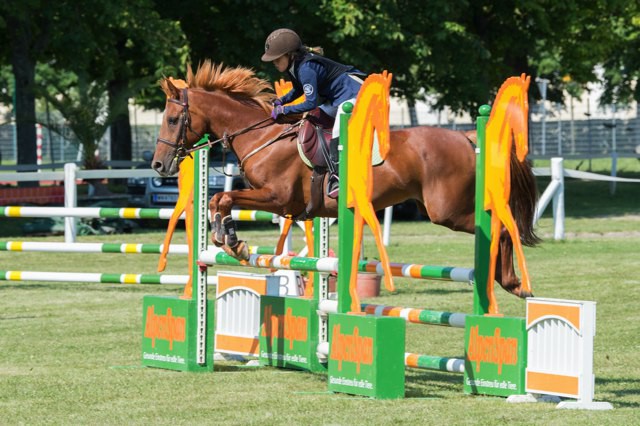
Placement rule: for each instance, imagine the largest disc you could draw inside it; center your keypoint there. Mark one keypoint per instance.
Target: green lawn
(70, 353)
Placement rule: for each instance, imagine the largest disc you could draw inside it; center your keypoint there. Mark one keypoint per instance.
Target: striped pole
(107, 247)
(330, 265)
(122, 213)
(97, 278)
(410, 270)
(87, 212)
(254, 216)
(428, 362)
(418, 316)
(313, 264)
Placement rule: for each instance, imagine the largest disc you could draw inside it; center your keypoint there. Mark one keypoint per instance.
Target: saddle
(313, 138)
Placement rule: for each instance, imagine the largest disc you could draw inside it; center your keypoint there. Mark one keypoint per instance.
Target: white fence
(553, 193)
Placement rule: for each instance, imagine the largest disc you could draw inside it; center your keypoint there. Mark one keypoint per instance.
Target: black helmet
(280, 42)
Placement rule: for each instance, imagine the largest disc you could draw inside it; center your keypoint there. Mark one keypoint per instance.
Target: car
(162, 192)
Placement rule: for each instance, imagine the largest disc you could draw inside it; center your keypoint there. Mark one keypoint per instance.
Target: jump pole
(102, 278)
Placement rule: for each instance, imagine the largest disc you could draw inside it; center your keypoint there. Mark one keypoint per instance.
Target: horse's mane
(237, 81)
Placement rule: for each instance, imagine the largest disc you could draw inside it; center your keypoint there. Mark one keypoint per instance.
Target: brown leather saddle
(314, 136)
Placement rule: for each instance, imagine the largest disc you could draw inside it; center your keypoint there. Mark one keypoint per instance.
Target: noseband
(185, 124)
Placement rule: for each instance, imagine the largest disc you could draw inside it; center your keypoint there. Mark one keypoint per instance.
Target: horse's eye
(173, 121)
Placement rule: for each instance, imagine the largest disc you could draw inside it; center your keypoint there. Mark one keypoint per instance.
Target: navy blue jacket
(321, 80)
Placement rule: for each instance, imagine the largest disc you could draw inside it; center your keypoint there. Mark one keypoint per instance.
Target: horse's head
(181, 128)
(215, 99)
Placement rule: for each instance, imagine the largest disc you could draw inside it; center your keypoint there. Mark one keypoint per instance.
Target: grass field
(70, 353)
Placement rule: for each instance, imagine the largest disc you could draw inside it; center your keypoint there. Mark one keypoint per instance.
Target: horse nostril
(157, 166)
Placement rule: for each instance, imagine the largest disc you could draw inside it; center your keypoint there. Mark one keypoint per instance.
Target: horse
(370, 118)
(506, 131)
(434, 166)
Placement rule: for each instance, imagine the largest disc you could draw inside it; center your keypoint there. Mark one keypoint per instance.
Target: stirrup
(333, 187)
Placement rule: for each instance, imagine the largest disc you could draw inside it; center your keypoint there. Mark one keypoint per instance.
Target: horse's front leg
(223, 227)
(217, 234)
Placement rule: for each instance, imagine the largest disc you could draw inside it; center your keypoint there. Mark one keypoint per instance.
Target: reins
(226, 139)
(269, 142)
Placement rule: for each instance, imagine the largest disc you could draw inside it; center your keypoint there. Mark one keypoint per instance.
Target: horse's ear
(172, 90)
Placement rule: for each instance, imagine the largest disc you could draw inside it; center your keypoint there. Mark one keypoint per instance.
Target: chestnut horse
(434, 166)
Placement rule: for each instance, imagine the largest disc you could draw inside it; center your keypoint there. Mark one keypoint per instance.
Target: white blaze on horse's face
(165, 161)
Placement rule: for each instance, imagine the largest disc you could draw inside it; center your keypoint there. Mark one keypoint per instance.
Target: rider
(320, 79)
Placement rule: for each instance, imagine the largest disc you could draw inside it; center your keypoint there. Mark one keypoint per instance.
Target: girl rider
(324, 83)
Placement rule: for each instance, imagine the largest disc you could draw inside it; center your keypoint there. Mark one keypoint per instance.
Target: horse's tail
(524, 195)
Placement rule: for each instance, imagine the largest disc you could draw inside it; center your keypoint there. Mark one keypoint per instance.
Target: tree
(622, 65)
(83, 103)
(144, 48)
(27, 27)
(124, 48)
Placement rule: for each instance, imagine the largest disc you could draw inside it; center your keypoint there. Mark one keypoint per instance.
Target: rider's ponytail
(315, 50)
(300, 53)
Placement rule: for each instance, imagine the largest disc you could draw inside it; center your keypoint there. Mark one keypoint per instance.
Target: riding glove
(278, 110)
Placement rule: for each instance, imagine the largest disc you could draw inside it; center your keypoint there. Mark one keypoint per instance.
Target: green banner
(169, 334)
(495, 355)
(366, 355)
(289, 333)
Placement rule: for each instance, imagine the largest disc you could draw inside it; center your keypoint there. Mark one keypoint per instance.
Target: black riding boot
(334, 167)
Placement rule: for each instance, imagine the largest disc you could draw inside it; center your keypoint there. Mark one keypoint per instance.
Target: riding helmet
(280, 42)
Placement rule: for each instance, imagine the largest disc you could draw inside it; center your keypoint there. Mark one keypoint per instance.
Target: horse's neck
(228, 116)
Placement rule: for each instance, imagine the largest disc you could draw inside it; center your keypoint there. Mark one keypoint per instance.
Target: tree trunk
(413, 114)
(120, 129)
(24, 69)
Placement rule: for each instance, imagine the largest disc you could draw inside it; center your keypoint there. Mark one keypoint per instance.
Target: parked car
(162, 192)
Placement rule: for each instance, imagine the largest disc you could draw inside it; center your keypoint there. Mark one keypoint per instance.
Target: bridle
(185, 124)
(180, 148)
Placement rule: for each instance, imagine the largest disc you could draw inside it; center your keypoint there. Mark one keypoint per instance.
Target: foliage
(116, 50)
(622, 64)
(83, 104)
(454, 52)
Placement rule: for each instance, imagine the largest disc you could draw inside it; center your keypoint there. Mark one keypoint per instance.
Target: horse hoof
(525, 294)
(228, 250)
(240, 251)
(521, 293)
(216, 242)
